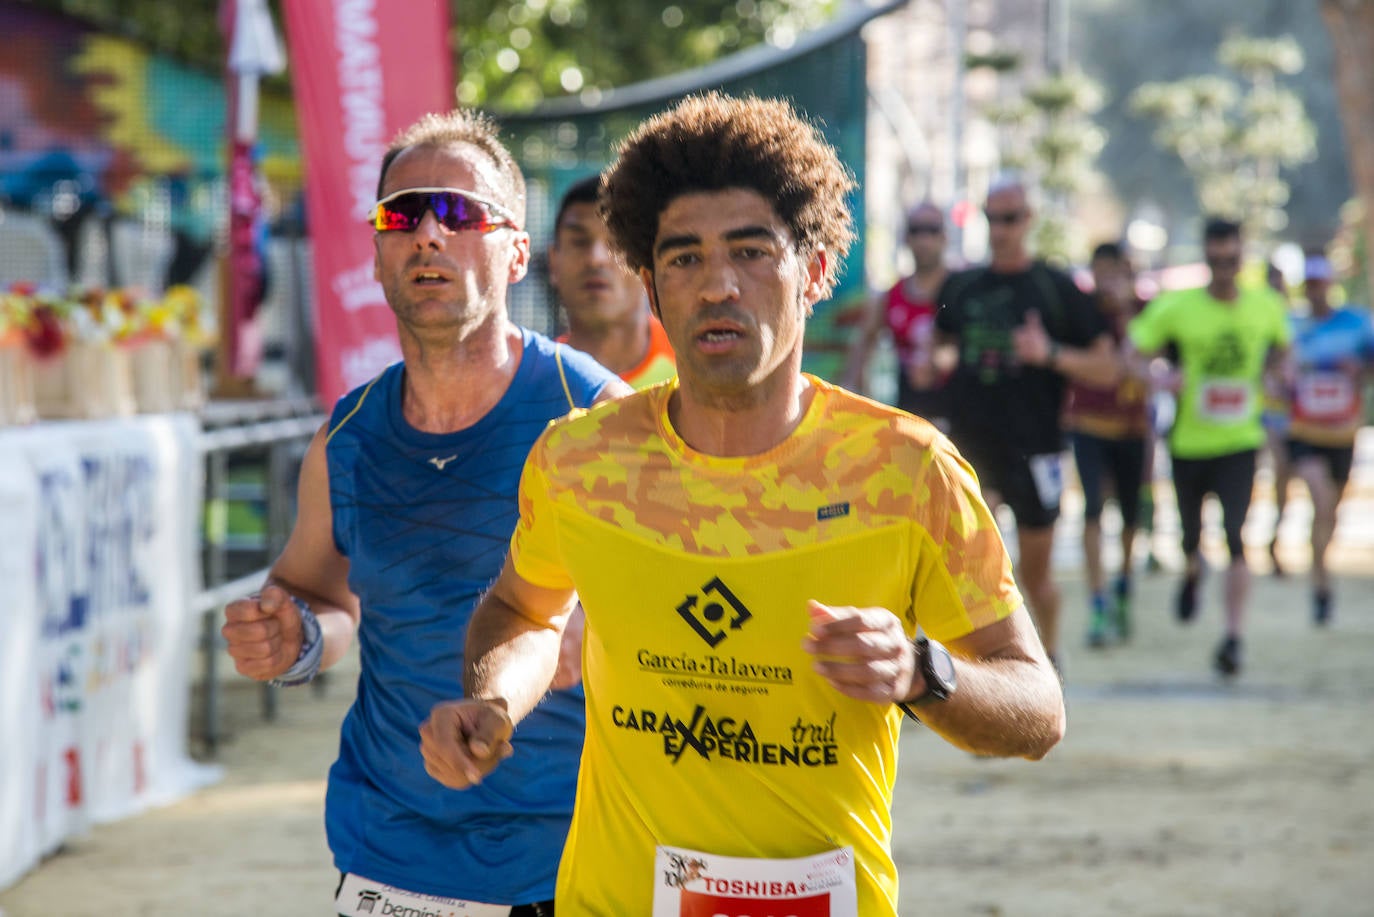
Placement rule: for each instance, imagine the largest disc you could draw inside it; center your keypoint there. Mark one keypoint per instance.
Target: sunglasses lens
(457, 212)
(402, 213)
(922, 229)
(454, 212)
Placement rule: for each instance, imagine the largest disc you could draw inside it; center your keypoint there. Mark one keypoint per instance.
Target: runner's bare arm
(1279, 365)
(512, 642)
(1146, 364)
(944, 353)
(1009, 701)
(264, 635)
(510, 655)
(1097, 364)
(861, 350)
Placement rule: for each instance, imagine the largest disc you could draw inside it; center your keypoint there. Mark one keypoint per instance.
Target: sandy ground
(1174, 794)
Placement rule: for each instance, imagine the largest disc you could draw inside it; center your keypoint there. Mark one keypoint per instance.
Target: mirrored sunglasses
(455, 209)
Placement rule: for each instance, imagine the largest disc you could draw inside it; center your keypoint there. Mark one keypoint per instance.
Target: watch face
(942, 665)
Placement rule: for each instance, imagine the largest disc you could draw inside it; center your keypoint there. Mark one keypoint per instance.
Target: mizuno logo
(441, 462)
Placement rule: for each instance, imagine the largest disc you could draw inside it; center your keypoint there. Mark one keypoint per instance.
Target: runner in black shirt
(1020, 328)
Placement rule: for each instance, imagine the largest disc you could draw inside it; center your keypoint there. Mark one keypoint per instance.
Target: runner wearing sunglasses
(407, 503)
(456, 210)
(906, 311)
(1022, 330)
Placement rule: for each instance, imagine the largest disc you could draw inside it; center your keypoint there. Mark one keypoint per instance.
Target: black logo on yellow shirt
(705, 611)
(710, 737)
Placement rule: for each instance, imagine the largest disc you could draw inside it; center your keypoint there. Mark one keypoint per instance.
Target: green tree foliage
(515, 54)
(1124, 44)
(512, 54)
(1235, 135)
(1048, 135)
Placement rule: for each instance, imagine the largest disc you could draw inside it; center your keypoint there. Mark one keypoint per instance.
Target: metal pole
(216, 471)
(1056, 36)
(958, 37)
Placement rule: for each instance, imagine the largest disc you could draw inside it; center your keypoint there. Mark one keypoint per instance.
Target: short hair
(1008, 181)
(1218, 228)
(715, 142)
(582, 192)
(1112, 250)
(924, 205)
(463, 127)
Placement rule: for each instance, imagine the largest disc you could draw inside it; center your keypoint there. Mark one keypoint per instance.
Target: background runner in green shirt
(1226, 338)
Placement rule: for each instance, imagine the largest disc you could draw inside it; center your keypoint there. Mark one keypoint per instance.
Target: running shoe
(1185, 607)
(1321, 607)
(1227, 660)
(1121, 608)
(1099, 625)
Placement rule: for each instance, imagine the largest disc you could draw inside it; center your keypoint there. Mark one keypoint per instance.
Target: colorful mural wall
(94, 126)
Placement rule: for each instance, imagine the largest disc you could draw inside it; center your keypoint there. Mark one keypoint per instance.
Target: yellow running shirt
(707, 728)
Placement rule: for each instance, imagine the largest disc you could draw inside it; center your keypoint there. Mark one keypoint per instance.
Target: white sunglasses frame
(497, 207)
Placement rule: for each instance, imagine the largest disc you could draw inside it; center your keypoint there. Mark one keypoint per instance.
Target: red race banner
(362, 70)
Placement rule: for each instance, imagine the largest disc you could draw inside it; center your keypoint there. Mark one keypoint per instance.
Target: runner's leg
(1089, 454)
(1316, 471)
(1036, 545)
(1233, 482)
(1190, 487)
(1277, 446)
(1128, 469)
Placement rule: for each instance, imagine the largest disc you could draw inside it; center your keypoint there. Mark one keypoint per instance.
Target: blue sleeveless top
(425, 520)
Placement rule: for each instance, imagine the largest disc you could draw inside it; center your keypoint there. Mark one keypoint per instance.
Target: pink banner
(362, 70)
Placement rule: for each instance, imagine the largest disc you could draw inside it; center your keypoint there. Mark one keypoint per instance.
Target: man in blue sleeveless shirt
(407, 501)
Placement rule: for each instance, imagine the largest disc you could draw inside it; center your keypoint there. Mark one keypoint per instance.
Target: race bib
(1225, 400)
(688, 883)
(360, 897)
(1048, 475)
(1326, 396)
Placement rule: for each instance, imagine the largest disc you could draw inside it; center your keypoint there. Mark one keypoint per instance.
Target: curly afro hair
(716, 142)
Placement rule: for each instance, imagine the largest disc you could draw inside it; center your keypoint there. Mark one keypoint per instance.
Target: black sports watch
(936, 666)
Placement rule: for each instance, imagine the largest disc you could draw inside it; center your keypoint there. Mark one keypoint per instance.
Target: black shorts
(1123, 461)
(1231, 478)
(1339, 459)
(1014, 476)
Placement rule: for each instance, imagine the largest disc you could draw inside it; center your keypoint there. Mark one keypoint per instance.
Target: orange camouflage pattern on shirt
(851, 466)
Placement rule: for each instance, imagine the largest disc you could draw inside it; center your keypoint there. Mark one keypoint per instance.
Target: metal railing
(275, 433)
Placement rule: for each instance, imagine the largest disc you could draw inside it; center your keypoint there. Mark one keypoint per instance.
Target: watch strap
(933, 690)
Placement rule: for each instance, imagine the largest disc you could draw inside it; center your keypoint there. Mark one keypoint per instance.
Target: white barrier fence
(98, 571)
